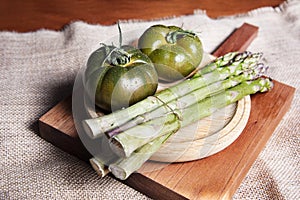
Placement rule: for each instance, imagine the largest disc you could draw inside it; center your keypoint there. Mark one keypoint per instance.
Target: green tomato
(175, 52)
(119, 77)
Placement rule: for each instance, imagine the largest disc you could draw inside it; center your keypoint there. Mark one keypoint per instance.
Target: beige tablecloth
(37, 70)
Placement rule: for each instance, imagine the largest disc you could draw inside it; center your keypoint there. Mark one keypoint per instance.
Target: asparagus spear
(97, 126)
(124, 167)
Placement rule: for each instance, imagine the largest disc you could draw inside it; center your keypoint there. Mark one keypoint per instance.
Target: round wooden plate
(207, 136)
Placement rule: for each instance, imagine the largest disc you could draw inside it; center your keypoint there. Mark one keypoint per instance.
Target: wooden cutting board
(214, 177)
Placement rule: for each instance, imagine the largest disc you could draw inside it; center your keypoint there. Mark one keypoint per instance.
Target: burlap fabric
(37, 70)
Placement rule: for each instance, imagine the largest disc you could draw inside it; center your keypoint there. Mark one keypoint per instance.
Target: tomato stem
(116, 55)
(120, 35)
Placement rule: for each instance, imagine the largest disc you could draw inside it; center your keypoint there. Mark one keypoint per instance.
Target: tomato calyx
(115, 56)
(173, 36)
(118, 57)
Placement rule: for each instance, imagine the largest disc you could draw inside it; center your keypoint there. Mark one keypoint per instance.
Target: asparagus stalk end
(99, 167)
(92, 128)
(118, 171)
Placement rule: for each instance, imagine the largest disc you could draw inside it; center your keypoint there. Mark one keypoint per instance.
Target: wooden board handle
(239, 40)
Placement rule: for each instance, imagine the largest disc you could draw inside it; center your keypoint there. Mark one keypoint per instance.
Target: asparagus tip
(267, 84)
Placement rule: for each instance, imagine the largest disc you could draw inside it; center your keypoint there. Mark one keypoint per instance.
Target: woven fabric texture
(37, 70)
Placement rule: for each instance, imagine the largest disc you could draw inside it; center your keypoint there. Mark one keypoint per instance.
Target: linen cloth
(37, 70)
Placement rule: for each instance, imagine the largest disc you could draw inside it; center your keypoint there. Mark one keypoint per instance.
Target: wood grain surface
(214, 177)
(218, 176)
(30, 15)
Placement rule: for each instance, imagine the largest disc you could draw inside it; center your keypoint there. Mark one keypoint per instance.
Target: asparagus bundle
(131, 136)
(222, 68)
(193, 97)
(124, 167)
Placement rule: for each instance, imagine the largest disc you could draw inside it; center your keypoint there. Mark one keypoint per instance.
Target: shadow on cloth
(264, 179)
(52, 95)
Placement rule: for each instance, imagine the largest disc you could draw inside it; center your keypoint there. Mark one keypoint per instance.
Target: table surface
(30, 15)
